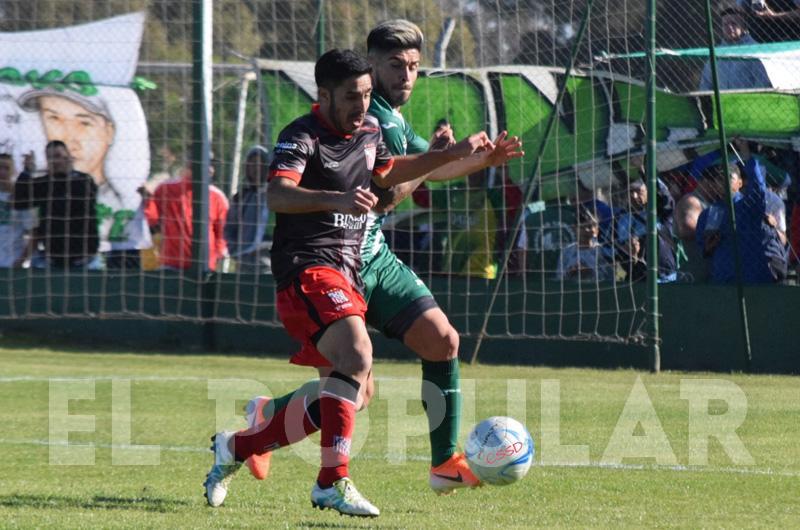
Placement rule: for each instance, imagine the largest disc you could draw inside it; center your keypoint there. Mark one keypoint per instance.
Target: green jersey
(400, 138)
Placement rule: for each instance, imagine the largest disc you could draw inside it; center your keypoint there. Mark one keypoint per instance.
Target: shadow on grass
(98, 502)
(347, 522)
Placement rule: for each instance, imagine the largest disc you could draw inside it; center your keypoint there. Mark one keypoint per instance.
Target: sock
(443, 389)
(292, 418)
(337, 405)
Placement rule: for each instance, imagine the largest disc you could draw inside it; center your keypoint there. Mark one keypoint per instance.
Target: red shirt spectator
(170, 207)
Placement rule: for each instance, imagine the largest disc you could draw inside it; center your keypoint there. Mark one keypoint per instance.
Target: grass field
(170, 408)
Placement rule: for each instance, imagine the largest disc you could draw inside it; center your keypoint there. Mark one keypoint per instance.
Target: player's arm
(410, 167)
(505, 148)
(441, 139)
(285, 195)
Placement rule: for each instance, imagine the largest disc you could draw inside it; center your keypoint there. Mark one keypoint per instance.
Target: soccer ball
(499, 450)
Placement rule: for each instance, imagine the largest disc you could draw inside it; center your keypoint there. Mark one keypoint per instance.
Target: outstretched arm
(792, 15)
(410, 167)
(505, 149)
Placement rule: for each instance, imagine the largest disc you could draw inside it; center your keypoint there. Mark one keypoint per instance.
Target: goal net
(559, 236)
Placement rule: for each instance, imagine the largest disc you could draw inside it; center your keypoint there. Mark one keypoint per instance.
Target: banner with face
(72, 84)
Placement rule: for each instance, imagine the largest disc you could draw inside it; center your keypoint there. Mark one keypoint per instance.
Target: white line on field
(425, 458)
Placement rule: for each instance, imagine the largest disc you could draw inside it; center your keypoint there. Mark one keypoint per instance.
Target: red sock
(337, 405)
(293, 423)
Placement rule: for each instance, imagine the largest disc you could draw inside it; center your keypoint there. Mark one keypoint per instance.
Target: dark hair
(5, 156)
(52, 144)
(335, 66)
(393, 35)
(716, 172)
(735, 11)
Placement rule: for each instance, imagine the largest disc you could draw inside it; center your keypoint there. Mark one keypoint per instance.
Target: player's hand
(505, 148)
(472, 144)
(29, 162)
(442, 138)
(144, 192)
(357, 202)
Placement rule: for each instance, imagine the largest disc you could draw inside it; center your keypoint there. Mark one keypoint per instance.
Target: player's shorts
(316, 298)
(395, 295)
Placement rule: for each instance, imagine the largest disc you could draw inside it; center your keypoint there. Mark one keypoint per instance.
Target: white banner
(72, 84)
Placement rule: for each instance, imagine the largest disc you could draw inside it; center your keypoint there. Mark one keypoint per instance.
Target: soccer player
(399, 304)
(320, 178)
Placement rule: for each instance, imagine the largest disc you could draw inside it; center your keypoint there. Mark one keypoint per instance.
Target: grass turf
(170, 408)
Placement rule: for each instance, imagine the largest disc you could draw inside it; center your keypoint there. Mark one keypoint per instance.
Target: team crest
(339, 299)
(370, 151)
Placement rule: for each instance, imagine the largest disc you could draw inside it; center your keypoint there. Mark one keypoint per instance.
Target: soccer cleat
(452, 474)
(344, 498)
(225, 465)
(257, 464)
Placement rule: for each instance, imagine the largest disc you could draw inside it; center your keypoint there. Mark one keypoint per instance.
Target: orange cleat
(455, 473)
(257, 464)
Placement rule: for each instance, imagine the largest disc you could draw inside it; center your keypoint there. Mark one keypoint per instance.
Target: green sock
(445, 379)
(274, 405)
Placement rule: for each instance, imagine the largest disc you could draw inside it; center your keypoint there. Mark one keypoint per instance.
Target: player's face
(395, 75)
(732, 28)
(255, 169)
(347, 105)
(58, 160)
(87, 135)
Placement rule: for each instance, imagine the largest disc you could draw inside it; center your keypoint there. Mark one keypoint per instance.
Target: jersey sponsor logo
(333, 164)
(389, 125)
(349, 221)
(370, 152)
(286, 146)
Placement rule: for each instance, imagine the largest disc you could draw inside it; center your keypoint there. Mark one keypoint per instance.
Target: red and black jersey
(316, 156)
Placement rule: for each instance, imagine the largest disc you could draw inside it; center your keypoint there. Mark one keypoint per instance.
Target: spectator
(246, 224)
(585, 260)
(169, 209)
(710, 191)
(67, 203)
(735, 73)
(631, 234)
(773, 20)
(763, 253)
(87, 127)
(15, 225)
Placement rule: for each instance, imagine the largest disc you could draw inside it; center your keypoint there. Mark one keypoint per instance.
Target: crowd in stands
(50, 218)
(695, 238)
(46, 220)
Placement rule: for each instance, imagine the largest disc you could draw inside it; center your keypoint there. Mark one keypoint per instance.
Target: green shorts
(394, 293)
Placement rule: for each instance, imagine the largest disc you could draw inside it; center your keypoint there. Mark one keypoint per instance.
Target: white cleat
(344, 498)
(225, 465)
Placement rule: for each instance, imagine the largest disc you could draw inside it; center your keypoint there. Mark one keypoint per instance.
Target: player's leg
(403, 308)
(309, 313)
(436, 342)
(347, 346)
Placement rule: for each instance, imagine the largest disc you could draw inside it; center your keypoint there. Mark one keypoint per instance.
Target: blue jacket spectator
(631, 233)
(246, 224)
(763, 254)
